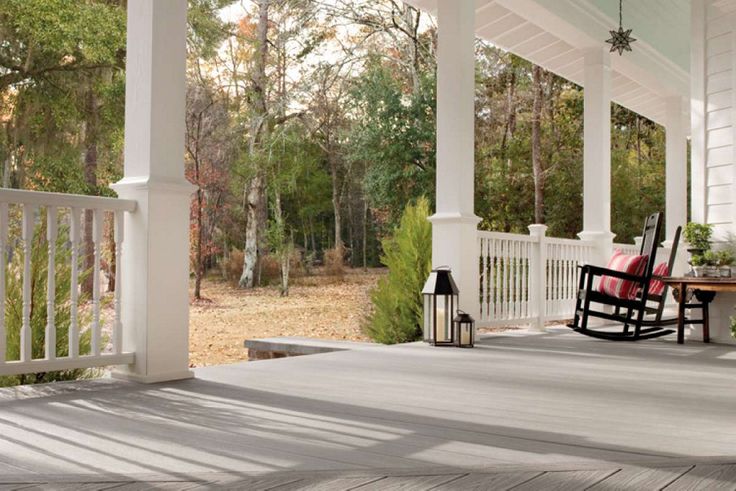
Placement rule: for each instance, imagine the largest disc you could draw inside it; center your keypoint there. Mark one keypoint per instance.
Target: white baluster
(3, 265)
(51, 235)
(525, 279)
(555, 277)
(512, 280)
(518, 279)
(117, 328)
(97, 243)
(505, 279)
(74, 236)
(510, 312)
(26, 335)
(493, 279)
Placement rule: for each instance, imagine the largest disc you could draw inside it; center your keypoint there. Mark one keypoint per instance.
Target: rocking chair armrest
(600, 271)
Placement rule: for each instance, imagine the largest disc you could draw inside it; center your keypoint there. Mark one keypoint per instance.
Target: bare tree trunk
(198, 266)
(255, 202)
(510, 126)
(336, 198)
(365, 233)
(90, 177)
(250, 253)
(537, 167)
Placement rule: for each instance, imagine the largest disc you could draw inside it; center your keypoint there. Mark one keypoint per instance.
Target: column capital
(449, 217)
(597, 56)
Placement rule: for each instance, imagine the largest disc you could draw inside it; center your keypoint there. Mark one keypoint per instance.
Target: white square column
(597, 152)
(676, 167)
(155, 254)
(454, 225)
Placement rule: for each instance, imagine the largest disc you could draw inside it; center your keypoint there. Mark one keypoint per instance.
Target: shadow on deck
(519, 403)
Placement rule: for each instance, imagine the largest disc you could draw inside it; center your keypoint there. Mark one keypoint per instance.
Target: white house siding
(717, 110)
(713, 120)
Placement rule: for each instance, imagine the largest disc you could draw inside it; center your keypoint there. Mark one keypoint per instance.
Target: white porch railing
(532, 279)
(23, 214)
(528, 278)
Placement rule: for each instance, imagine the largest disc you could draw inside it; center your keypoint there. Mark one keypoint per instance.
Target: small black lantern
(440, 307)
(464, 327)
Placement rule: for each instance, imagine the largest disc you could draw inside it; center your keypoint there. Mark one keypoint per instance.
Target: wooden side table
(703, 291)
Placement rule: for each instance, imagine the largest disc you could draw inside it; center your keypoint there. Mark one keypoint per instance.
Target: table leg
(681, 297)
(706, 323)
(705, 298)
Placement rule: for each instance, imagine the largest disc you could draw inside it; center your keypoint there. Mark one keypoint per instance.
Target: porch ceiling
(555, 34)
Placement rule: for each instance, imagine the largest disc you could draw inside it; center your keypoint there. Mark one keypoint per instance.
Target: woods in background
(310, 127)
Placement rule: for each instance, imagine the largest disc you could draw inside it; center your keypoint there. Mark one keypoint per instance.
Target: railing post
(538, 276)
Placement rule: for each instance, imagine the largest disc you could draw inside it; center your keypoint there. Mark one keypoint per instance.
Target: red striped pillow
(656, 287)
(617, 287)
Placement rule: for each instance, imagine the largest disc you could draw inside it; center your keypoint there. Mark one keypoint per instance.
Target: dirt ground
(317, 306)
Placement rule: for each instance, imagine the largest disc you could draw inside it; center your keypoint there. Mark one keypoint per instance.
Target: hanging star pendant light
(621, 39)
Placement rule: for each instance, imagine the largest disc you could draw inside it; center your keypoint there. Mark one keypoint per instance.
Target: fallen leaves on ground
(317, 307)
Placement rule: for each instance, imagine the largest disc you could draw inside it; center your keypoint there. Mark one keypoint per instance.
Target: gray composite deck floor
(553, 411)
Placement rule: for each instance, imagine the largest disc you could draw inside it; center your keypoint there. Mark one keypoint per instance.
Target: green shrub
(14, 308)
(397, 300)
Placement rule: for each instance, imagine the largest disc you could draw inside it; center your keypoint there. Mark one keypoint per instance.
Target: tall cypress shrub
(397, 300)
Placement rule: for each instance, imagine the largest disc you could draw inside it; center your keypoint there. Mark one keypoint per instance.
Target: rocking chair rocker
(643, 309)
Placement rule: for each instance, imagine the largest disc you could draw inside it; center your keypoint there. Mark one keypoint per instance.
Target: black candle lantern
(464, 329)
(440, 307)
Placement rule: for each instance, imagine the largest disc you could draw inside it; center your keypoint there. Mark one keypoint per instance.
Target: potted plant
(697, 263)
(705, 265)
(698, 236)
(724, 259)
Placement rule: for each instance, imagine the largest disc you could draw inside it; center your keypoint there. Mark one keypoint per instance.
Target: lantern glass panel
(428, 311)
(443, 315)
(466, 334)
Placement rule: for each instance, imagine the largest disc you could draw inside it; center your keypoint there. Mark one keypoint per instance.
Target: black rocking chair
(644, 312)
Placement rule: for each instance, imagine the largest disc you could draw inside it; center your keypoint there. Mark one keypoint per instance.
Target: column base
(593, 235)
(155, 278)
(455, 244)
(152, 379)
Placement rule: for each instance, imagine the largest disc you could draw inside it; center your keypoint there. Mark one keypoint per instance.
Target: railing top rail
(484, 234)
(571, 242)
(40, 198)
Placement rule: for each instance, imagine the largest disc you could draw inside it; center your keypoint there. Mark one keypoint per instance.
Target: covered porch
(551, 409)
(531, 403)
(502, 278)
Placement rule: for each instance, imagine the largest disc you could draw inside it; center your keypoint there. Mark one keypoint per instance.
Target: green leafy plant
(397, 300)
(733, 326)
(62, 311)
(698, 260)
(708, 258)
(698, 235)
(725, 257)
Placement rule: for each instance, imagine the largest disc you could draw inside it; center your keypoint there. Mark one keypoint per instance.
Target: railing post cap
(538, 229)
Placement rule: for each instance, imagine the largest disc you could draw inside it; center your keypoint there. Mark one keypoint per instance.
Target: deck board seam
(528, 480)
(676, 478)
(599, 481)
(448, 482)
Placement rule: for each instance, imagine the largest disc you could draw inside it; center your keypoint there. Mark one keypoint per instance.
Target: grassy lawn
(317, 306)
